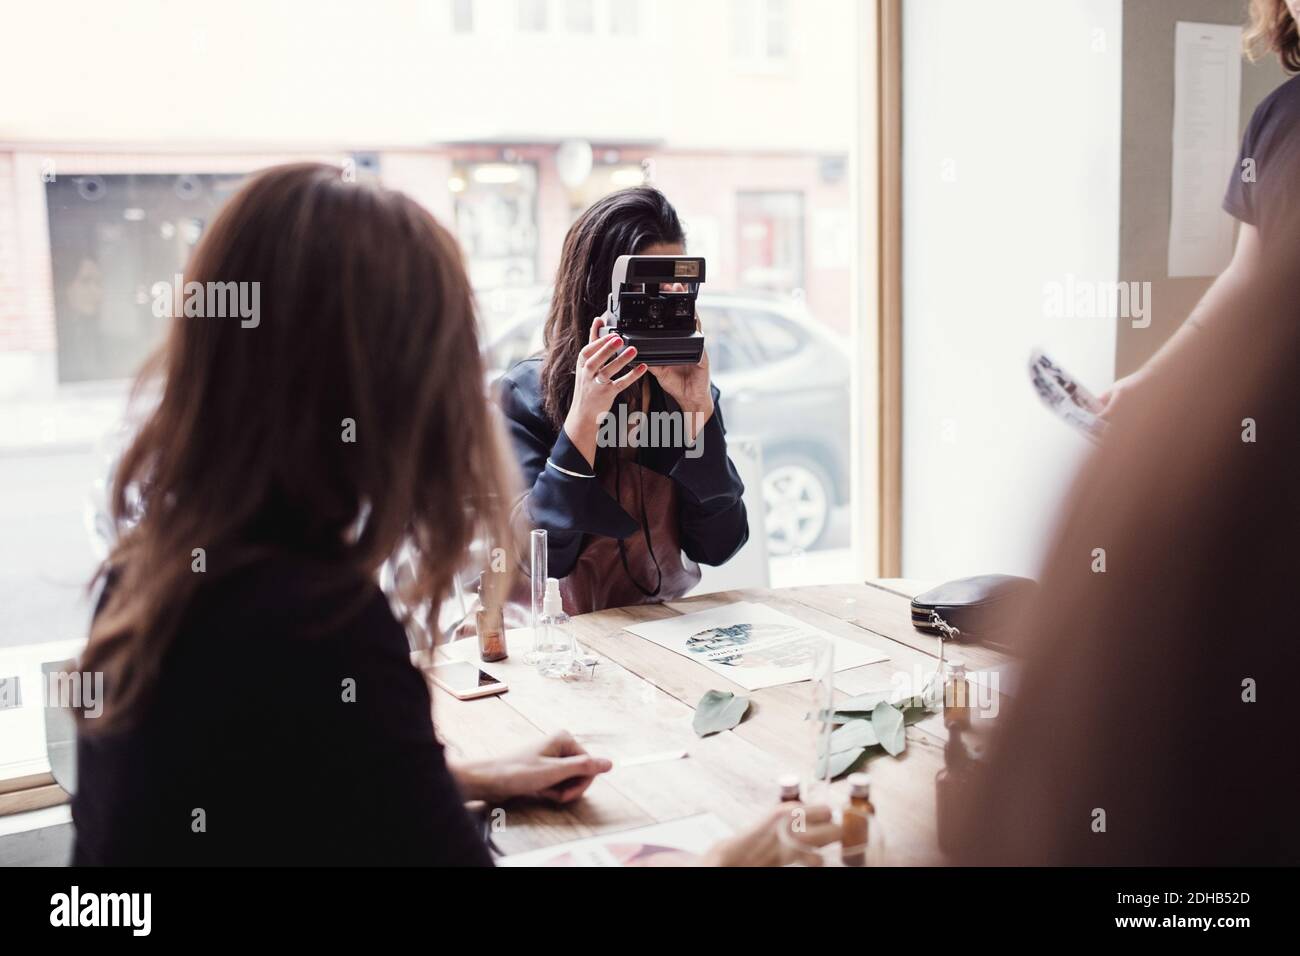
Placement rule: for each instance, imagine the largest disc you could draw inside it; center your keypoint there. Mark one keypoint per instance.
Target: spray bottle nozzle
(552, 603)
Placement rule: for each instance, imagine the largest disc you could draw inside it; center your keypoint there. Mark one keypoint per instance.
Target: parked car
(785, 384)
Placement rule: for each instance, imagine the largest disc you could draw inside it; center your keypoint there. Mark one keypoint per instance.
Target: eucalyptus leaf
(719, 710)
(888, 725)
(839, 716)
(866, 702)
(854, 735)
(913, 709)
(844, 762)
(914, 715)
(905, 704)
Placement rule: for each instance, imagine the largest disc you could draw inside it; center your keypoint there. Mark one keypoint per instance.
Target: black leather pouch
(980, 608)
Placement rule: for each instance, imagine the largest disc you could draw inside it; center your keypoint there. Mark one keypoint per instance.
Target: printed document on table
(752, 644)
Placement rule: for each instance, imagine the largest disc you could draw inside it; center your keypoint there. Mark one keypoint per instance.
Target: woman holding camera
(630, 520)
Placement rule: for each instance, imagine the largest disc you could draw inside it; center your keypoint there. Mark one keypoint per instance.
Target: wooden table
(640, 700)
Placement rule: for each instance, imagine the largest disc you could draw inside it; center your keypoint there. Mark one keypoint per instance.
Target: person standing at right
(1263, 192)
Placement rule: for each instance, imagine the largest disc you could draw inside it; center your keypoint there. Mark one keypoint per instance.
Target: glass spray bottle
(557, 650)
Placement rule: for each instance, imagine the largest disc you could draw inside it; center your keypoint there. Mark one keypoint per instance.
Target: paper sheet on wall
(752, 644)
(1207, 106)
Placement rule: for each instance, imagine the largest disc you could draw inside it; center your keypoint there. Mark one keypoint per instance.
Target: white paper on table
(1207, 107)
(675, 843)
(752, 644)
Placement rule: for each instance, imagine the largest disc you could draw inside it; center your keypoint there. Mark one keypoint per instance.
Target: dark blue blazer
(572, 509)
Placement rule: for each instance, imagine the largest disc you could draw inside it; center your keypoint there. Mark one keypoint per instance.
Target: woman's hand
(1120, 395)
(689, 387)
(594, 387)
(559, 770)
(764, 844)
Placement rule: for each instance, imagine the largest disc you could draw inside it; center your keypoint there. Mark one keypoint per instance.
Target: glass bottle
(557, 650)
(858, 822)
(537, 582)
(490, 619)
(789, 784)
(956, 696)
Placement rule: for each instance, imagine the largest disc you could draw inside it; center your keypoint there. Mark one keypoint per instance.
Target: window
(462, 16)
(472, 130)
(580, 16)
(777, 338)
(532, 15)
(958, 405)
(770, 240)
(728, 342)
(776, 36)
(760, 30)
(496, 220)
(623, 17)
(111, 239)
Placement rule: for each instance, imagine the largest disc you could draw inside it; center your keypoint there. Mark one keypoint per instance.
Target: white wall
(1011, 171)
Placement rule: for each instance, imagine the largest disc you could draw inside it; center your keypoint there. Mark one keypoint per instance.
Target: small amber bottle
(859, 816)
(490, 620)
(789, 784)
(956, 696)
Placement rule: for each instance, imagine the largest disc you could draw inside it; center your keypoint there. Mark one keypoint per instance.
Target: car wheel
(797, 495)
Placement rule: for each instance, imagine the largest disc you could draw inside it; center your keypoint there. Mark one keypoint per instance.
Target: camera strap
(645, 530)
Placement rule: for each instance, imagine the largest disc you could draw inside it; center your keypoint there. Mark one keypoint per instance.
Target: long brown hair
(348, 417)
(623, 223)
(1272, 29)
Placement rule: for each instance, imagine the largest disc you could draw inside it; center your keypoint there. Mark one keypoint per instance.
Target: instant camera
(659, 323)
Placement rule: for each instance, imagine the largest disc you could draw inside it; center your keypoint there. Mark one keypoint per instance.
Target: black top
(249, 724)
(1264, 189)
(712, 516)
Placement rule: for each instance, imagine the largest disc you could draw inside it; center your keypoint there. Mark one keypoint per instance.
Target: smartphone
(464, 681)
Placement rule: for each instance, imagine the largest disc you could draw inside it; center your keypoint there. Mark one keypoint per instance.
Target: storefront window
(496, 220)
(111, 239)
(770, 247)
